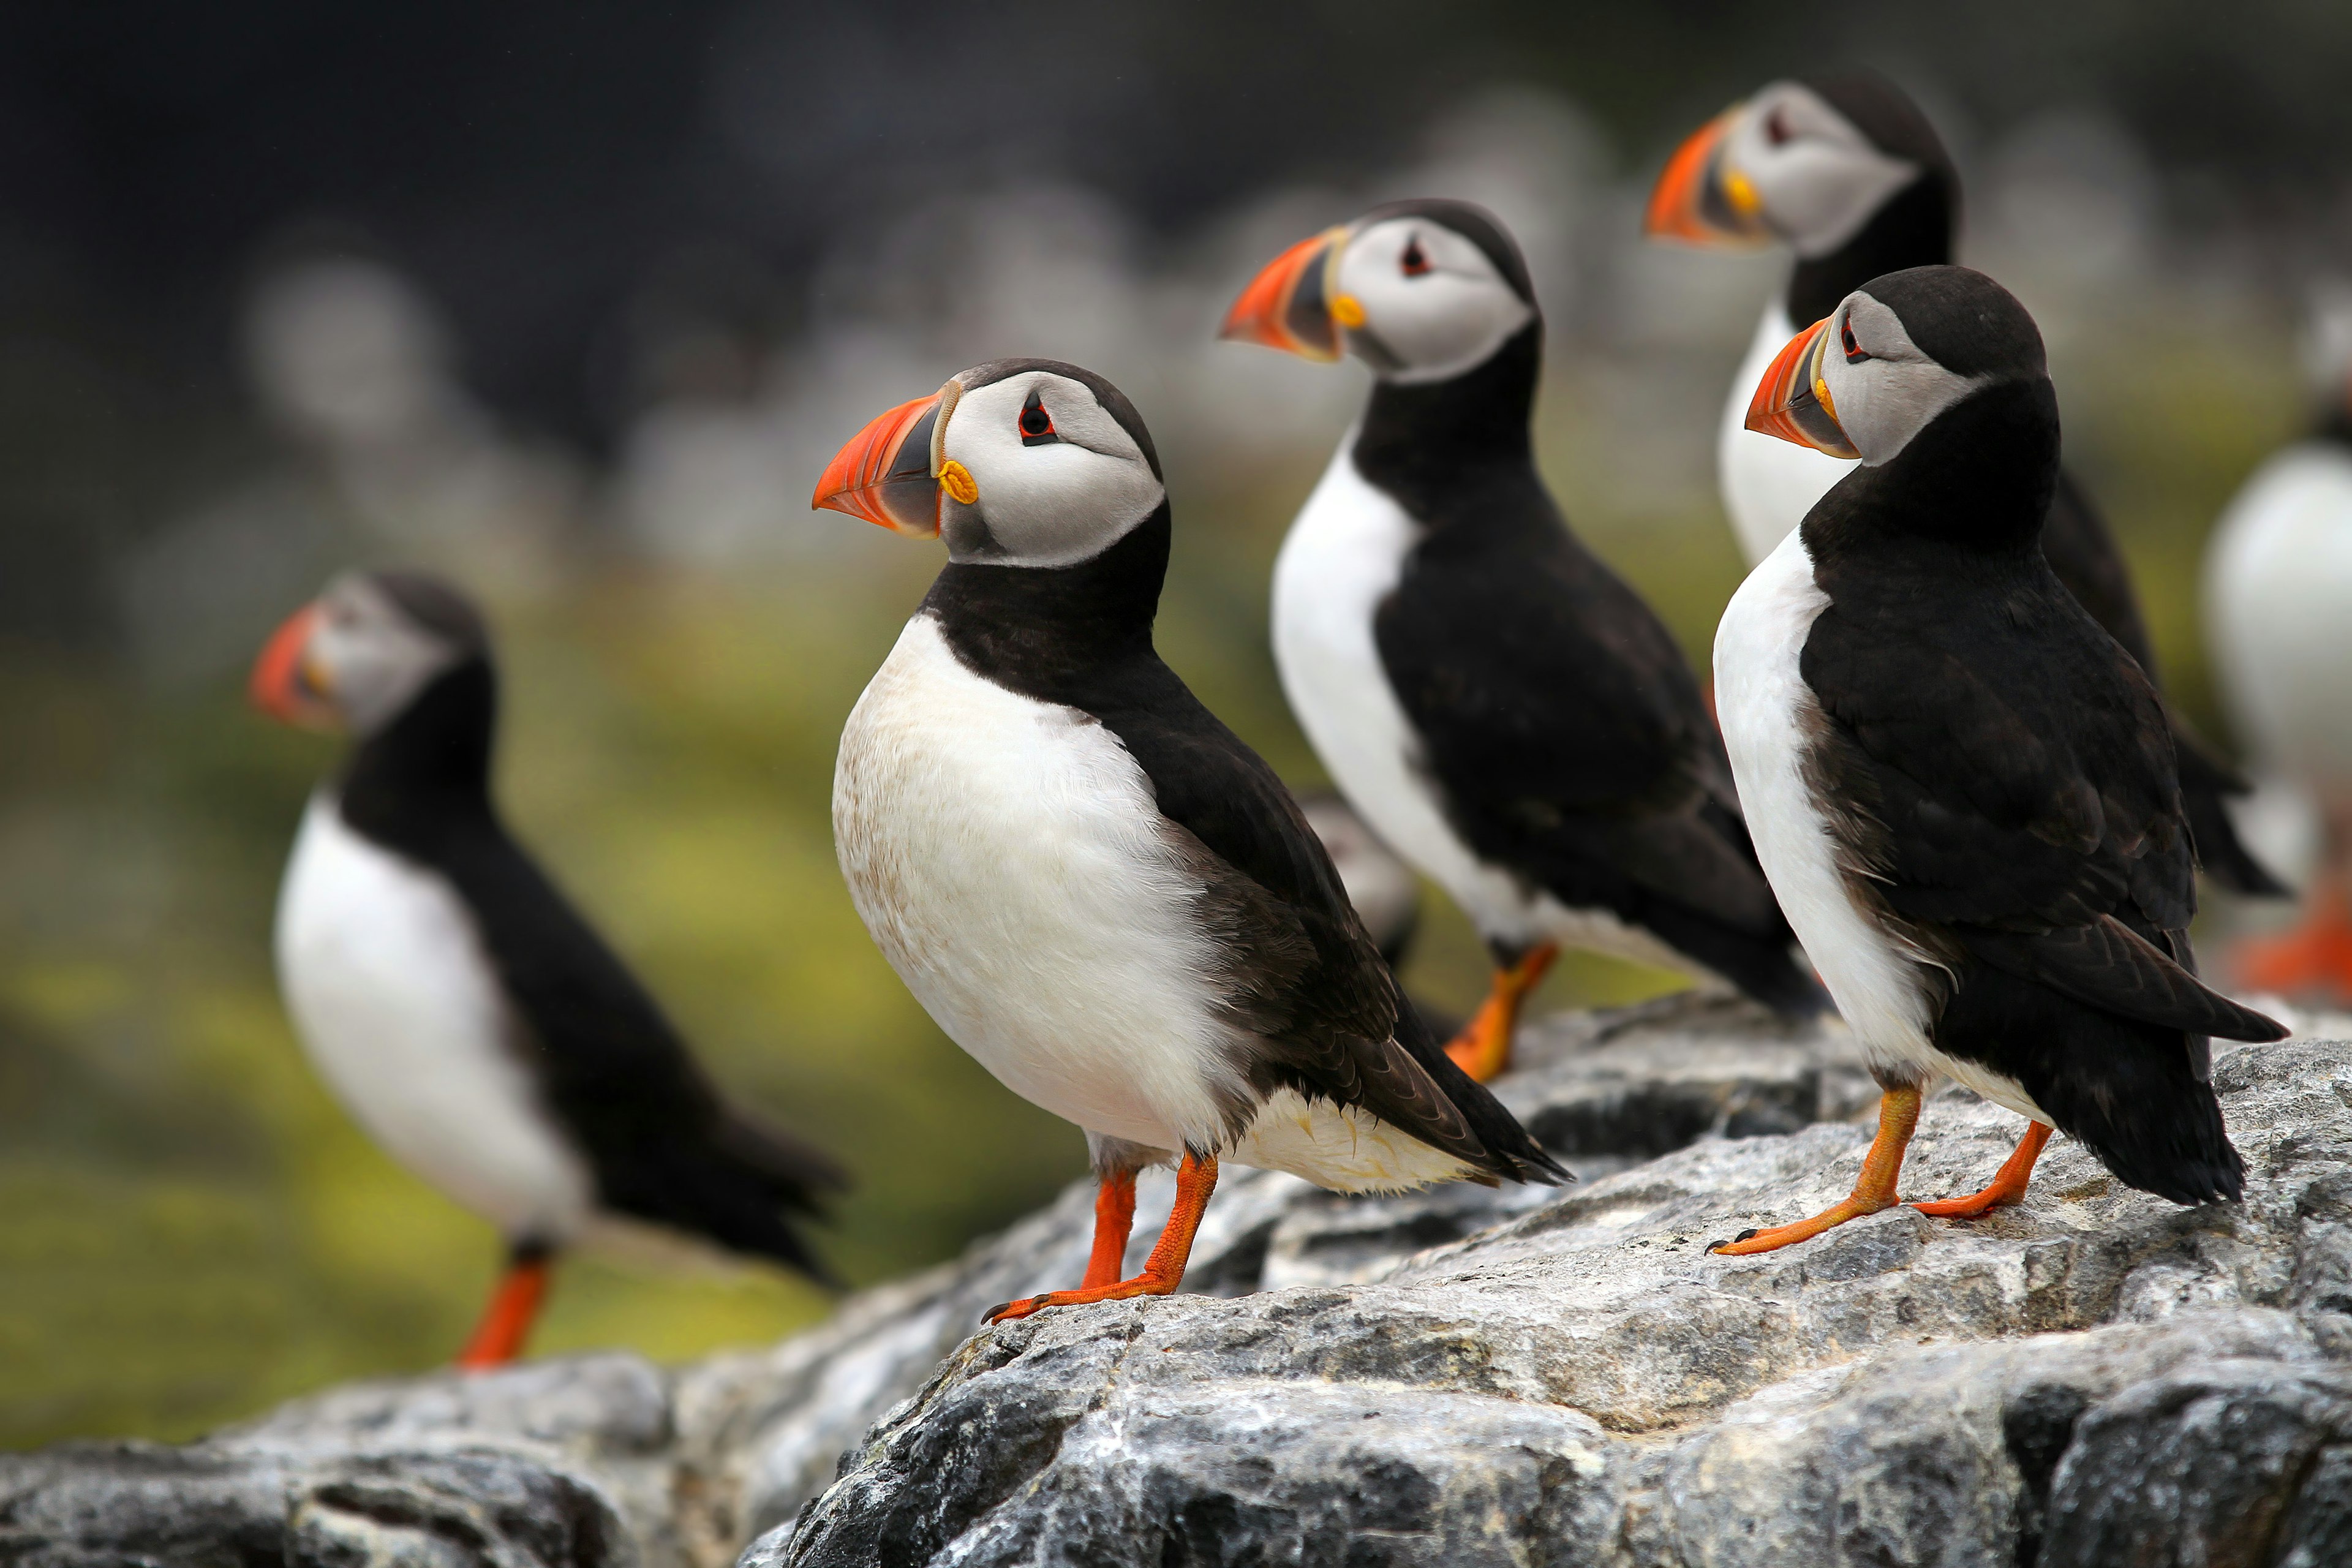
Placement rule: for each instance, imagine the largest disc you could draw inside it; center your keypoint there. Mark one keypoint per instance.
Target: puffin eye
(1853, 354)
(1037, 425)
(1776, 126)
(1414, 261)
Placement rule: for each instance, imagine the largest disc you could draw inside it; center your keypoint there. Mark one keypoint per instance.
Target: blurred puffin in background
(1963, 789)
(1091, 884)
(453, 999)
(1845, 169)
(2278, 615)
(1499, 706)
(1383, 888)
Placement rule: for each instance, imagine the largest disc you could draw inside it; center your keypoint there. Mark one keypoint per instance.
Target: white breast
(2278, 605)
(1769, 485)
(1341, 559)
(401, 1014)
(1763, 703)
(1010, 861)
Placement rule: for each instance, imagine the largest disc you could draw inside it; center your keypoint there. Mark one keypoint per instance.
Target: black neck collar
(1041, 629)
(432, 763)
(1416, 438)
(1913, 230)
(1978, 479)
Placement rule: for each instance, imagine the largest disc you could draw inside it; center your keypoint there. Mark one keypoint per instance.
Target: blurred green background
(258, 319)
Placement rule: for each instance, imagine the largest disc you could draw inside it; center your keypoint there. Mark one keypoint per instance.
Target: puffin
(2278, 597)
(1092, 885)
(1962, 786)
(1495, 701)
(1845, 169)
(1381, 887)
(463, 1012)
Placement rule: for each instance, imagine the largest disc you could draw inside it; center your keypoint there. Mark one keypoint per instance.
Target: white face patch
(374, 658)
(1888, 395)
(1058, 481)
(1432, 305)
(1817, 177)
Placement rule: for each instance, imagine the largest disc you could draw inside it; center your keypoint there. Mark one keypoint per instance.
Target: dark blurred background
(572, 301)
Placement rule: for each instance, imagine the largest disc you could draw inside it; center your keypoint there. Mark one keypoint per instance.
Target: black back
(1561, 724)
(1919, 227)
(2000, 778)
(616, 1079)
(1302, 973)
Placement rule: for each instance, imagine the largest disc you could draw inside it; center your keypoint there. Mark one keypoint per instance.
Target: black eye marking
(1414, 261)
(1853, 354)
(1037, 425)
(1776, 126)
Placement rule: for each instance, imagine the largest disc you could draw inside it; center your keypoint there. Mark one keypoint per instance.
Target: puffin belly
(1763, 703)
(1340, 560)
(1010, 861)
(1768, 484)
(2278, 593)
(400, 1012)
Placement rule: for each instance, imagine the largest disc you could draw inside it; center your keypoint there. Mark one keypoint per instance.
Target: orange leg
(1195, 1180)
(1483, 1048)
(2007, 1183)
(2314, 960)
(506, 1321)
(1898, 1114)
(1114, 1219)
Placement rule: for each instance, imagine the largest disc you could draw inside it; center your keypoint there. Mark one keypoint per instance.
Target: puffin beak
(1792, 401)
(1701, 199)
(888, 474)
(287, 684)
(1290, 305)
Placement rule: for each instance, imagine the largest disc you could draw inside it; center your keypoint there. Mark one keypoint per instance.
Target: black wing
(2083, 553)
(2012, 782)
(1568, 737)
(663, 1145)
(1306, 977)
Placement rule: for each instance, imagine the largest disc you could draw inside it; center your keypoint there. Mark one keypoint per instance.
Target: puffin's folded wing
(2108, 965)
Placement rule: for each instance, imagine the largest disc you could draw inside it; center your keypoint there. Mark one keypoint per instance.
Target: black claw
(988, 1319)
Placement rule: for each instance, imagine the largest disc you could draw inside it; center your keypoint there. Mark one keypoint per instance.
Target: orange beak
(1701, 200)
(1792, 401)
(1288, 305)
(886, 474)
(283, 684)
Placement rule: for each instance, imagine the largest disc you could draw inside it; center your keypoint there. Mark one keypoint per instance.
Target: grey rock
(1468, 1375)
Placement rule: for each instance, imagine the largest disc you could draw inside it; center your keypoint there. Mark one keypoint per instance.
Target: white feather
(1340, 560)
(1880, 987)
(401, 1014)
(1010, 859)
(1769, 485)
(2278, 597)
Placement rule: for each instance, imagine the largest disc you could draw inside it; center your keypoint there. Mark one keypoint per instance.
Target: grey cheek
(967, 535)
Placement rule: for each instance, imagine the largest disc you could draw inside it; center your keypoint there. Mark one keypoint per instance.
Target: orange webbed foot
(1483, 1048)
(2009, 1182)
(1196, 1179)
(1874, 1188)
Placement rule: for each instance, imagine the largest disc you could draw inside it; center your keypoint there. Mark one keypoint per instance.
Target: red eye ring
(1414, 262)
(1035, 423)
(1853, 354)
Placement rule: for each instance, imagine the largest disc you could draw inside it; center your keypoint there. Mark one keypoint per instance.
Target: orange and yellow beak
(1794, 402)
(889, 473)
(286, 682)
(1701, 199)
(1290, 305)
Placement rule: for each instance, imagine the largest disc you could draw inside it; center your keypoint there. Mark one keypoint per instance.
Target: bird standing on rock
(1501, 707)
(1094, 886)
(1962, 787)
(1845, 170)
(2278, 592)
(456, 1003)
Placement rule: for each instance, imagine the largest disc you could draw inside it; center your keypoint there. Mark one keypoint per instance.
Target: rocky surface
(1466, 1376)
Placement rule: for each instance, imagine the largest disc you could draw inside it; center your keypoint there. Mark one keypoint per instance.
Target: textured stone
(1468, 1375)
